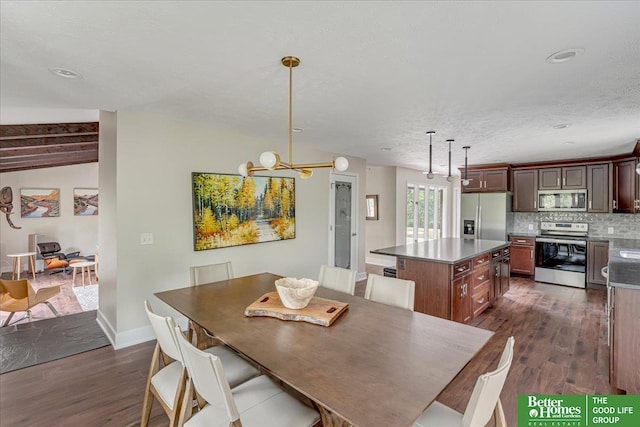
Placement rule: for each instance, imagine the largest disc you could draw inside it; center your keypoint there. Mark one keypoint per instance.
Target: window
(425, 212)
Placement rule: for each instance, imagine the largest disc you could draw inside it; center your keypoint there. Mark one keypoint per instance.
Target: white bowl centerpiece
(296, 293)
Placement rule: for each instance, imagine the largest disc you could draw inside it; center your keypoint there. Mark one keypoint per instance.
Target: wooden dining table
(376, 365)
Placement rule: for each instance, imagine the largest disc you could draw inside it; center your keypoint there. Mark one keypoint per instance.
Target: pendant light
(465, 181)
(270, 160)
(430, 173)
(449, 177)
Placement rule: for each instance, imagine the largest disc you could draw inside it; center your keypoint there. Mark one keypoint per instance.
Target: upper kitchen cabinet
(566, 178)
(525, 190)
(598, 188)
(485, 180)
(624, 186)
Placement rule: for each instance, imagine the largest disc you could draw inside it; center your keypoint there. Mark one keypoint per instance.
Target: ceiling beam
(47, 130)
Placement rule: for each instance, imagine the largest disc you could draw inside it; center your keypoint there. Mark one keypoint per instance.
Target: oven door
(561, 261)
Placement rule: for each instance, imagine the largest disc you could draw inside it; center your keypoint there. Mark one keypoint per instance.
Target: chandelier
(270, 160)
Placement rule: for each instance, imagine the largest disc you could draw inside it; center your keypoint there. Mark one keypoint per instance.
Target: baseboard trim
(120, 340)
(361, 276)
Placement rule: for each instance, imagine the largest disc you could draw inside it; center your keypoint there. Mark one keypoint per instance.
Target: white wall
(382, 233)
(72, 232)
(154, 160)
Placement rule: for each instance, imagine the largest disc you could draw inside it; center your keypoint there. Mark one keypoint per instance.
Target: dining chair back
(338, 279)
(211, 273)
(19, 295)
(391, 291)
(167, 377)
(485, 398)
(483, 403)
(260, 402)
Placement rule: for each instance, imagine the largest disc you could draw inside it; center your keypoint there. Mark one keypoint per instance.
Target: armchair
(53, 258)
(19, 295)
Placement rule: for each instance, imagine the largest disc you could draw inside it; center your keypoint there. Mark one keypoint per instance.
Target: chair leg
(6, 322)
(52, 308)
(148, 396)
(501, 421)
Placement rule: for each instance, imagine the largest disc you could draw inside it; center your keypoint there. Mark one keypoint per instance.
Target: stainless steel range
(561, 253)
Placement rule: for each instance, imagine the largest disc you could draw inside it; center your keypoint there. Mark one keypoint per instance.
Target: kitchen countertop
(624, 272)
(447, 250)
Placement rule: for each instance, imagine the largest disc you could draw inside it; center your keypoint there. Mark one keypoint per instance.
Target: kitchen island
(456, 279)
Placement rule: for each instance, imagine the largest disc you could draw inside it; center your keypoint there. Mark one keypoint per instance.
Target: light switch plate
(530, 226)
(146, 238)
(610, 230)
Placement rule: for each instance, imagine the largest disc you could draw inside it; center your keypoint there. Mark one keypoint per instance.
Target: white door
(343, 221)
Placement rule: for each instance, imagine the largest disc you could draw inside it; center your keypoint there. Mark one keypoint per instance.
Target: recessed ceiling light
(67, 74)
(564, 55)
(386, 148)
(570, 142)
(561, 126)
(297, 130)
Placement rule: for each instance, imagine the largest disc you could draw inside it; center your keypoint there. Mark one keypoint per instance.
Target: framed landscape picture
(232, 210)
(39, 202)
(85, 201)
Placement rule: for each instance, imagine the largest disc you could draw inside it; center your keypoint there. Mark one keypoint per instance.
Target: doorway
(343, 221)
(425, 212)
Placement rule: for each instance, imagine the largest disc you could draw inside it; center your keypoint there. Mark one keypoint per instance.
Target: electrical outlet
(610, 230)
(530, 226)
(146, 238)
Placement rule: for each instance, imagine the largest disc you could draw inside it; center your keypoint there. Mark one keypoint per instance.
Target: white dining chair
(338, 279)
(484, 401)
(211, 273)
(258, 402)
(391, 291)
(167, 377)
(201, 274)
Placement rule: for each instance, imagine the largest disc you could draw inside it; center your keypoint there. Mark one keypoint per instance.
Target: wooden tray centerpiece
(320, 311)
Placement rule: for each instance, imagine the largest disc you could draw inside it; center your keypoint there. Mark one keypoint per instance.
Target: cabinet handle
(461, 269)
(481, 277)
(564, 181)
(535, 204)
(481, 301)
(558, 182)
(531, 254)
(615, 204)
(521, 241)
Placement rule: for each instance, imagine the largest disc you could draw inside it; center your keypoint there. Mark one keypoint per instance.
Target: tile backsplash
(626, 226)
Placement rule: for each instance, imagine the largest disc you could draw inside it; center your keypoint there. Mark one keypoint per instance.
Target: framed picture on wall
(232, 210)
(85, 201)
(39, 202)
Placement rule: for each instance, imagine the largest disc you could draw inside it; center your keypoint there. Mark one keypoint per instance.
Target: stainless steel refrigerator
(485, 215)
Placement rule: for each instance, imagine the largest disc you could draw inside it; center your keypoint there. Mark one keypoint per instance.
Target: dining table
(375, 365)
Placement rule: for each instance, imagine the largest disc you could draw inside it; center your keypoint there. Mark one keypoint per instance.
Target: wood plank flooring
(560, 335)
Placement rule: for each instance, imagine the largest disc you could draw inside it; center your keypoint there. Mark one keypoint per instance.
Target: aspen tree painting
(232, 210)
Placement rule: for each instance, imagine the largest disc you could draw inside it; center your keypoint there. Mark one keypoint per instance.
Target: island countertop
(448, 250)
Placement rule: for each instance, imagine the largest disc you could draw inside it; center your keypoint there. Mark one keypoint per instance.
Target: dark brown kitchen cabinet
(624, 186)
(486, 180)
(462, 299)
(522, 250)
(566, 178)
(598, 188)
(597, 257)
(505, 271)
(525, 190)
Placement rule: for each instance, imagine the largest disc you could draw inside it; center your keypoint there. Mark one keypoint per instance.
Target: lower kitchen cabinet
(597, 257)
(624, 336)
(522, 255)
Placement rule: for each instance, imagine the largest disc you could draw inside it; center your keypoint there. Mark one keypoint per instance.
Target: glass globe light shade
(242, 169)
(465, 182)
(430, 175)
(269, 160)
(450, 178)
(638, 168)
(305, 173)
(341, 164)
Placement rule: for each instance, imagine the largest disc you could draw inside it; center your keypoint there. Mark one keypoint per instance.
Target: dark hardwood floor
(560, 335)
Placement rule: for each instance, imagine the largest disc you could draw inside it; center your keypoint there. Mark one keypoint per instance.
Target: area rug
(87, 296)
(45, 340)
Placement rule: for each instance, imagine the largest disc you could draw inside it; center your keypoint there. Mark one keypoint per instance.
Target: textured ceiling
(374, 75)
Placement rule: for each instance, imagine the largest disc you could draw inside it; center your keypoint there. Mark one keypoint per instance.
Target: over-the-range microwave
(562, 200)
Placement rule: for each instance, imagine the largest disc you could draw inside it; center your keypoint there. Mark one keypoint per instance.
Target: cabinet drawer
(461, 268)
(496, 254)
(526, 241)
(480, 276)
(506, 252)
(480, 301)
(480, 288)
(481, 260)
